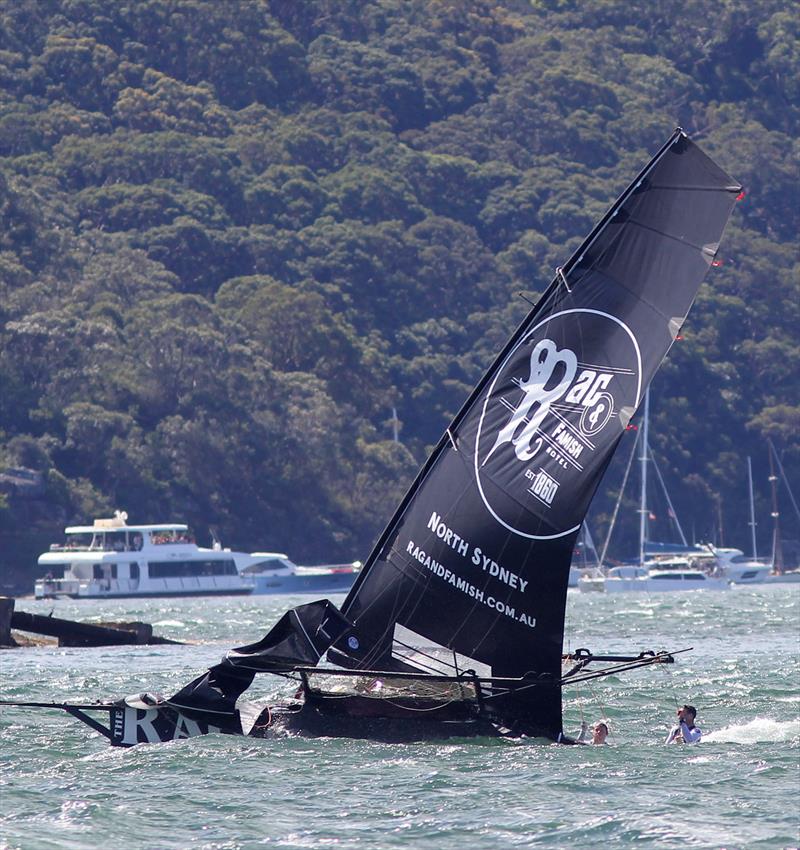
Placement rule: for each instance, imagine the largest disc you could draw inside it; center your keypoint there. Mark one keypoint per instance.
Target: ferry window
(134, 570)
(192, 569)
(693, 577)
(97, 570)
(173, 535)
(115, 541)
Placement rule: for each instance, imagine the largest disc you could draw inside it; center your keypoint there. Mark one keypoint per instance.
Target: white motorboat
(111, 559)
(735, 566)
(273, 572)
(633, 578)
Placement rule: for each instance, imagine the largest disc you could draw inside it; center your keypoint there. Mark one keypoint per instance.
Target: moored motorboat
(735, 566)
(633, 579)
(274, 572)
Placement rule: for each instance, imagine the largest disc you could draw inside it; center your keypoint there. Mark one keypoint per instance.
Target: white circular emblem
(543, 420)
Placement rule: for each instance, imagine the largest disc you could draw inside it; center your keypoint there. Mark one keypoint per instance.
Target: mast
(619, 502)
(643, 494)
(752, 507)
(777, 548)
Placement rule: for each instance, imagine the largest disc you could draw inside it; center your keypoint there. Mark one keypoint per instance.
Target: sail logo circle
(551, 417)
(595, 417)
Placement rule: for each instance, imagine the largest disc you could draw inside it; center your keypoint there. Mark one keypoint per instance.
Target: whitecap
(756, 731)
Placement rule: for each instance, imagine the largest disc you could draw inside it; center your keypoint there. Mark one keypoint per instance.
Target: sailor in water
(685, 732)
(599, 734)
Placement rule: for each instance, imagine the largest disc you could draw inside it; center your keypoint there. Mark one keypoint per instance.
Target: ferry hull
(155, 594)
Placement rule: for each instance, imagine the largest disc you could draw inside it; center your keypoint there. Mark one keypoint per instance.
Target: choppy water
(62, 786)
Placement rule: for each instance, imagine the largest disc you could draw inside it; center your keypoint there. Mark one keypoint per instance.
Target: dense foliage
(236, 236)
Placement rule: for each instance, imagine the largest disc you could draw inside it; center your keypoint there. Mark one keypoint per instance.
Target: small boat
(633, 578)
(113, 560)
(273, 572)
(736, 567)
(455, 624)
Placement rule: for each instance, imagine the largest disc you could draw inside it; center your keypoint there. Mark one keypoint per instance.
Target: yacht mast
(643, 495)
(752, 507)
(777, 549)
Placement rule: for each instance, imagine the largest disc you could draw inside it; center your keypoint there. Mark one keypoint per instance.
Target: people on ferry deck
(685, 732)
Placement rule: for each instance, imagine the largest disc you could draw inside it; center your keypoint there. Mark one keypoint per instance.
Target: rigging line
(435, 667)
(784, 478)
(673, 515)
(668, 673)
(619, 502)
(610, 671)
(597, 700)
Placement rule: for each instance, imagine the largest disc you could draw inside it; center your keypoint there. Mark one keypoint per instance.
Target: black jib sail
(471, 572)
(457, 617)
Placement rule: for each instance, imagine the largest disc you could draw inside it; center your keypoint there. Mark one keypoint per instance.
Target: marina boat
(736, 567)
(779, 573)
(111, 559)
(273, 572)
(455, 624)
(631, 579)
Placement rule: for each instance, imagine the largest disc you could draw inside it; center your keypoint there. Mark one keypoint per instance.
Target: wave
(757, 731)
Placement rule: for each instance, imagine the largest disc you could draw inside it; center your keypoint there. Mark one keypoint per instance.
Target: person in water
(599, 734)
(685, 732)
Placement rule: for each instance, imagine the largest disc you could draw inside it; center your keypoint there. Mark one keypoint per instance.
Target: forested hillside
(236, 236)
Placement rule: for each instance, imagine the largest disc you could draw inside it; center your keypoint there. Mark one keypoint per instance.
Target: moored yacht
(273, 572)
(735, 566)
(633, 578)
(111, 559)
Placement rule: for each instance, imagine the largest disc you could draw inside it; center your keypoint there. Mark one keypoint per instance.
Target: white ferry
(112, 559)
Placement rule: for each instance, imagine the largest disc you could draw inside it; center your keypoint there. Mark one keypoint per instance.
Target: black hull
(315, 723)
(126, 725)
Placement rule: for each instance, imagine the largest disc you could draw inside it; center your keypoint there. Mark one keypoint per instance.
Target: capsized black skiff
(455, 625)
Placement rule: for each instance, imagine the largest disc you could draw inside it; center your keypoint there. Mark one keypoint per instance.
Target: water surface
(62, 786)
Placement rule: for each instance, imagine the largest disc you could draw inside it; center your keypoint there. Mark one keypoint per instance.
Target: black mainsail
(466, 588)
(475, 561)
